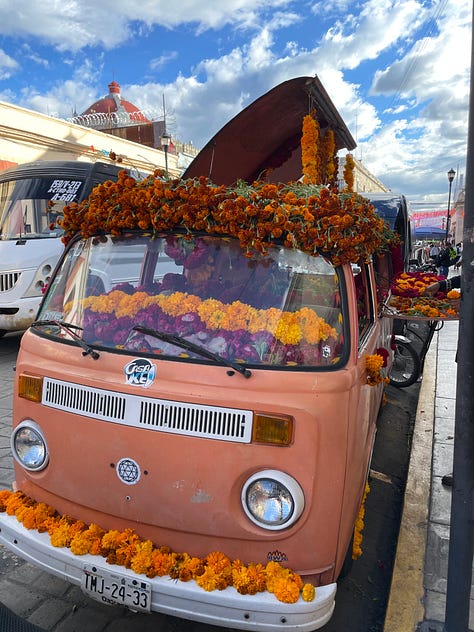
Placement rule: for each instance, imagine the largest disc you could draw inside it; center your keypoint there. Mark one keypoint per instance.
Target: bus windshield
(169, 295)
(29, 206)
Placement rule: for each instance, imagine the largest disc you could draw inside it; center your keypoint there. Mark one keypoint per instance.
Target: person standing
(434, 251)
(444, 260)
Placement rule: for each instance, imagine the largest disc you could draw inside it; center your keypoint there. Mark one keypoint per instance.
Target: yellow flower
(209, 580)
(286, 590)
(308, 593)
(142, 559)
(374, 364)
(248, 580)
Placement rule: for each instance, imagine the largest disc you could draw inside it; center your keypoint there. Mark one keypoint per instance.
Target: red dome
(120, 111)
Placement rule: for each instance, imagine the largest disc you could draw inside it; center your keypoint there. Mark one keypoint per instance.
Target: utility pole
(461, 538)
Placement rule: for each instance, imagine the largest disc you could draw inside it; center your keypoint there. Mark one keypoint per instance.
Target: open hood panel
(266, 135)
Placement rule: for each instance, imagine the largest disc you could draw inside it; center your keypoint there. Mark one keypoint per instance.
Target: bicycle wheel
(406, 367)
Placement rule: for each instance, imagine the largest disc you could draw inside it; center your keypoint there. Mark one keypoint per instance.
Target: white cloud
(74, 24)
(8, 65)
(379, 26)
(160, 62)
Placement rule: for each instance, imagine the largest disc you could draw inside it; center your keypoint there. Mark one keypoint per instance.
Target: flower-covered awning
(312, 218)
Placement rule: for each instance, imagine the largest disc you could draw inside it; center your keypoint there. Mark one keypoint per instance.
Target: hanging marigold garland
(348, 172)
(310, 150)
(330, 149)
(359, 527)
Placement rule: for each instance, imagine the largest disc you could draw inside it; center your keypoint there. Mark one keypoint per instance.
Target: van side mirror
(356, 269)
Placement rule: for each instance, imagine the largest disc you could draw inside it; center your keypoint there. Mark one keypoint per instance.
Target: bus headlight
(272, 499)
(29, 446)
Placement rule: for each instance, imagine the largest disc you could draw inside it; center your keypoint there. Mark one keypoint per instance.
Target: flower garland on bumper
(125, 548)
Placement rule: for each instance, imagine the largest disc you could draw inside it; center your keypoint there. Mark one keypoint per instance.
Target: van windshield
(147, 294)
(28, 206)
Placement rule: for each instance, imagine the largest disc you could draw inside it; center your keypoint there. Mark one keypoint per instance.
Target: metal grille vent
(197, 421)
(91, 402)
(225, 424)
(8, 280)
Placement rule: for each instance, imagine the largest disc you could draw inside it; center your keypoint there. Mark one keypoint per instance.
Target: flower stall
(409, 299)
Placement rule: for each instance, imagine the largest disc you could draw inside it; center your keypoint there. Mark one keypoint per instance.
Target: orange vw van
(197, 399)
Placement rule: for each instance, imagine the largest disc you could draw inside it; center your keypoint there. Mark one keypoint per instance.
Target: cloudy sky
(397, 70)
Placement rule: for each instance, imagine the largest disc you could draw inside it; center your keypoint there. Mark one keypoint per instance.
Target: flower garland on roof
(125, 548)
(315, 219)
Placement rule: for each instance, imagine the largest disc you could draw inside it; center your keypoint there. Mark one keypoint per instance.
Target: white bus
(29, 247)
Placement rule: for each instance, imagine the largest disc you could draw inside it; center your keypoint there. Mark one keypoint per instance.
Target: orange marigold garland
(125, 548)
(348, 172)
(315, 219)
(287, 327)
(310, 150)
(329, 149)
(359, 527)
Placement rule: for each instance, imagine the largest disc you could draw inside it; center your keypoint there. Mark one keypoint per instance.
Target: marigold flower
(308, 593)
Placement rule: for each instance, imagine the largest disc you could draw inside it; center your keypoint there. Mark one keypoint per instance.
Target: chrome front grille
(8, 280)
(224, 424)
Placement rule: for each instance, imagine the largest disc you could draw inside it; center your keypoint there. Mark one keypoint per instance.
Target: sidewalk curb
(405, 610)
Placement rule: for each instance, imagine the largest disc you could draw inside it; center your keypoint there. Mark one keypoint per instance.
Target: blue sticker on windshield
(140, 372)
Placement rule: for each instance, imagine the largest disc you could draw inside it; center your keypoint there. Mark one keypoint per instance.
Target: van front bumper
(227, 608)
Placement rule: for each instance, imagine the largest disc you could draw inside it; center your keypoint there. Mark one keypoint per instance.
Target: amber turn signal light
(30, 387)
(273, 429)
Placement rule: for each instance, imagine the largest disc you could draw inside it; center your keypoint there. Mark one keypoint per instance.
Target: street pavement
(418, 593)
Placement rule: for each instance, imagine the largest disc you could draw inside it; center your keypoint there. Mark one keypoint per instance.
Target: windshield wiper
(190, 346)
(88, 350)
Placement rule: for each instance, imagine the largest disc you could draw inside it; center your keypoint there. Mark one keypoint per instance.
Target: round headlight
(29, 446)
(272, 499)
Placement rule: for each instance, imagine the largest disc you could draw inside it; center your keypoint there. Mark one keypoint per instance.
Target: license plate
(113, 588)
